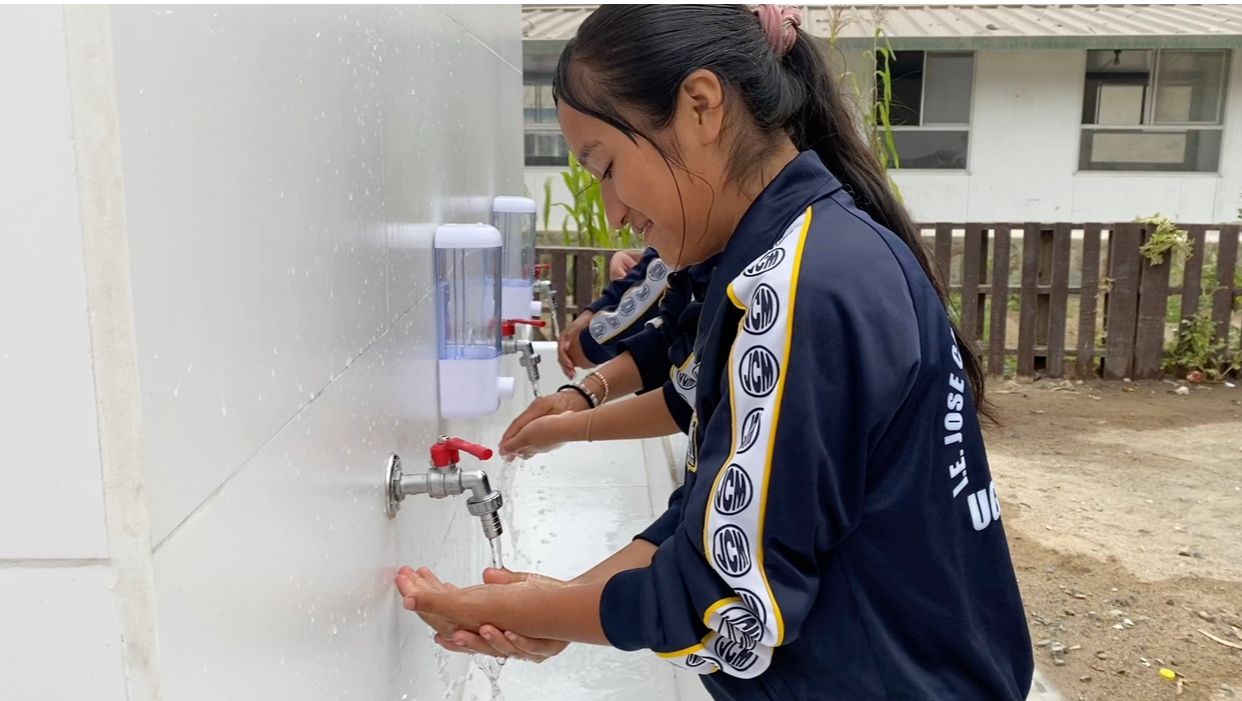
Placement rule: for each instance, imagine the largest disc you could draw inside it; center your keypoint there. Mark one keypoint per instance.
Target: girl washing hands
(838, 533)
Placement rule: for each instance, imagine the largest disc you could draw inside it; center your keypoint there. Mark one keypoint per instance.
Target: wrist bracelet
(603, 382)
(586, 394)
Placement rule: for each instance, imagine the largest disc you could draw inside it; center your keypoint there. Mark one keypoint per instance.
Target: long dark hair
(627, 62)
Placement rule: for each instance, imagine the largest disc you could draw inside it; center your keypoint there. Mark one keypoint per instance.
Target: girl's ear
(700, 106)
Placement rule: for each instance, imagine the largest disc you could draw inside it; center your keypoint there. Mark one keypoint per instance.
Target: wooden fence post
(1088, 299)
(944, 253)
(1226, 266)
(1026, 315)
(1192, 278)
(1121, 305)
(1153, 304)
(584, 280)
(559, 274)
(997, 328)
(974, 267)
(1058, 300)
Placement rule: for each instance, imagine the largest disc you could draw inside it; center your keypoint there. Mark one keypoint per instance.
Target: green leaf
(547, 201)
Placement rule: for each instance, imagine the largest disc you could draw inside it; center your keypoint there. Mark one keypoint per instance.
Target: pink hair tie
(780, 25)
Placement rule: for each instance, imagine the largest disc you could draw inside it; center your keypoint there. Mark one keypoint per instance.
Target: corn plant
(878, 122)
(586, 211)
(874, 104)
(547, 202)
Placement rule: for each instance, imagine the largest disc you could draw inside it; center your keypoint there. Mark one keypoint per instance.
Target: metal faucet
(523, 347)
(547, 294)
(447, 479)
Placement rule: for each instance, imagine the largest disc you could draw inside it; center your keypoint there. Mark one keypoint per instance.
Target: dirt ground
(1123, 506)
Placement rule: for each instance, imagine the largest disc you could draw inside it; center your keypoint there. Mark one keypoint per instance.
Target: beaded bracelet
(603, 382)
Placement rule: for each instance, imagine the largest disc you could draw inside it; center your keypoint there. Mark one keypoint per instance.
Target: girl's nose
(614, 208)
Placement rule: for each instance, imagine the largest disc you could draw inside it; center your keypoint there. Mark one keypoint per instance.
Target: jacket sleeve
(781, 469)
(664, 526)
(611, 295)
(678, 408)
(634, 308)
(664, 350)
(649, 348)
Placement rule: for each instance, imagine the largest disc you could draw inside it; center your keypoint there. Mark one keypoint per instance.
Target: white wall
(1026, 121)
(1023, 164)
(1023, 144)
(1192, 198)
(257, 179)
(55, 577)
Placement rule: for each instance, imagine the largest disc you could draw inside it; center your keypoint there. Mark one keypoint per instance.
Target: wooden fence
(1044, 299)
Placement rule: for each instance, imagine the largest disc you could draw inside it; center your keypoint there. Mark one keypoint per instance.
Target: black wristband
(579, 390)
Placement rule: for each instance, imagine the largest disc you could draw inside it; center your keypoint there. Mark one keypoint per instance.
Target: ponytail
(826, 125)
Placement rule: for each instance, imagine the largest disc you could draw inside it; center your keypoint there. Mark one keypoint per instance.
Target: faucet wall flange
(394, 495)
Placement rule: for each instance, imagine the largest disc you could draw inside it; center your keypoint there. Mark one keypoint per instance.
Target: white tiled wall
(282, 167)
(51, 505)
(265, 169)
(61, 635)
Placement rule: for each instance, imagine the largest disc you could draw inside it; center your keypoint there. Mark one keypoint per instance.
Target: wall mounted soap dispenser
(467, 274)
(514, 218)
(525, 295)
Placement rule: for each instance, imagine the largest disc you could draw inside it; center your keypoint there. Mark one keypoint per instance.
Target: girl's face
(676, 208)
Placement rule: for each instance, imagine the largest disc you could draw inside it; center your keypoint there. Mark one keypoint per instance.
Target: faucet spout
(475, 482)
(548, 294)
(523, 347)
(484, 502)
(530, 360)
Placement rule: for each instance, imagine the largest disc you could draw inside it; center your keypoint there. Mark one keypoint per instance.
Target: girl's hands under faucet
(487, 640)
(509, 643)
(443, 627)
(543, 435)
(545, 406)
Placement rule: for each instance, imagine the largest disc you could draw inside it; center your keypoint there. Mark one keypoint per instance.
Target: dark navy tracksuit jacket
(653, 313)
(664, 351)
(624, 306)
(838, 534)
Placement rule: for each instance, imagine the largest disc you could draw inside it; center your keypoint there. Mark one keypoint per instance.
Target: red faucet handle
(542, 269)
(508, 327)
(445, 452)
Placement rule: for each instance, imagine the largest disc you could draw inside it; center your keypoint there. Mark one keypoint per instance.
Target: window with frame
(1153, 110)
(930, 108)
(544, 144)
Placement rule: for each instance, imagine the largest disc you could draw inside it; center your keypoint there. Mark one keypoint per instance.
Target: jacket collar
(802, 181)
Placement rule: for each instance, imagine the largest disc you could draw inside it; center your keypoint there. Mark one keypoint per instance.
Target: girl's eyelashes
(603, 176)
